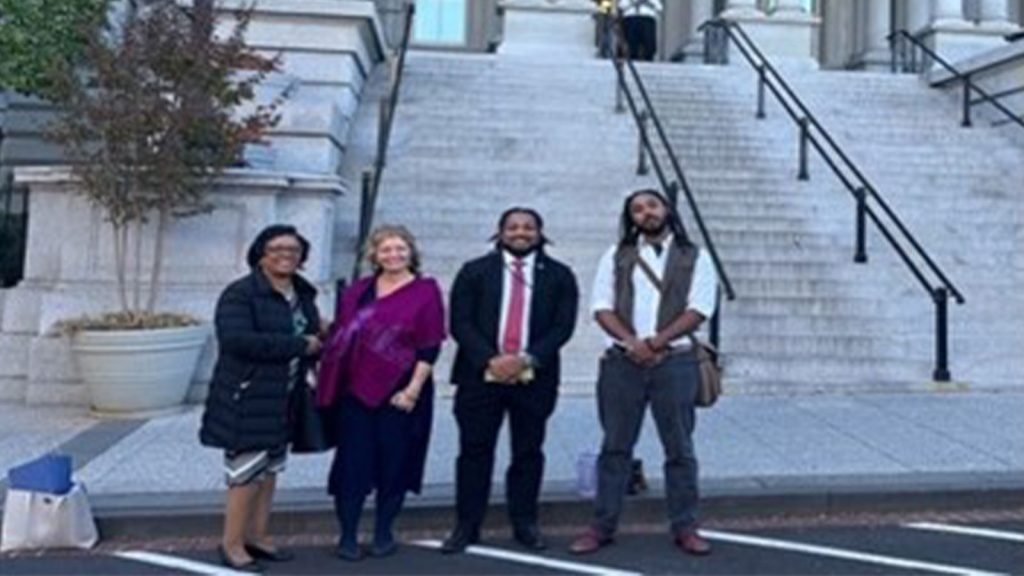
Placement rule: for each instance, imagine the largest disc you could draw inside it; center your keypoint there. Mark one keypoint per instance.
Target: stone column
(948, 14)
(918, 15)
(548, 28)
(876, 52)
(995, 15)
(700, 12)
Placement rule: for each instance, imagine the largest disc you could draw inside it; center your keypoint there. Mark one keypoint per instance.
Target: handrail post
(761, 79)
(966, 123)
(714, 331)
(804, 134)
(382, 128)
(339, 289)
(914, 69)
(860, 254)
(941, 373)
(673, 193)
(620, 105)
(641, 160)
(894, 40)
(365, 213)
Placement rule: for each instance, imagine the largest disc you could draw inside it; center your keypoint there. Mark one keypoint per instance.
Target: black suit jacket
(476, 314)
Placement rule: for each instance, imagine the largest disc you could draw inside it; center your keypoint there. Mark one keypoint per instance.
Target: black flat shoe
(350, 553)
(278, 555)
(252, 566)
(382, 550)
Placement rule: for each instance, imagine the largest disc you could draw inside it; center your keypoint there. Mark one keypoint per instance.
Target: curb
(310, 511)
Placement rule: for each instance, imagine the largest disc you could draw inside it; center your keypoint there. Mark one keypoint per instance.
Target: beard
(653, 229)
(520, 252)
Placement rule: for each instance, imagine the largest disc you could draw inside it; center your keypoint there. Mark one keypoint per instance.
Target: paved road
(977, 546)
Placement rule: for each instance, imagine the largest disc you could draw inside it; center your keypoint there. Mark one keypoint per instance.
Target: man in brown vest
(652, 291)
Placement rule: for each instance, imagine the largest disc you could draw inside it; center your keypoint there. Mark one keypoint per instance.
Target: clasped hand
(507, 368)
(644, 352)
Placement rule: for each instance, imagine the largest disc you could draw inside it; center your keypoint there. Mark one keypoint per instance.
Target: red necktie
(512, 342)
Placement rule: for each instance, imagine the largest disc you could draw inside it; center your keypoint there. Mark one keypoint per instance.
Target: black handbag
(310, 426)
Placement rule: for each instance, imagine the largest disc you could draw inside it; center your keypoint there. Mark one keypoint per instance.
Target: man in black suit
(511, 312)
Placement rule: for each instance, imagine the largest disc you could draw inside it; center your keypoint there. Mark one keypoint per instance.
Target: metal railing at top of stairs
(647, 152)
(811, 133)
(371, 176)
(904, 48)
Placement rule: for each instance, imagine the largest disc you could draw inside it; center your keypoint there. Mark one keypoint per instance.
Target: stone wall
(328, 50)
(70, 268)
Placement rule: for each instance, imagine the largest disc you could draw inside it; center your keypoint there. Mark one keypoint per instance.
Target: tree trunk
(156, 275)
(137, 286)
(121, 262)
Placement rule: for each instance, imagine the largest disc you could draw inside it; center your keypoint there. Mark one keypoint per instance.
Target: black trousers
(641, 36)
(480, 409)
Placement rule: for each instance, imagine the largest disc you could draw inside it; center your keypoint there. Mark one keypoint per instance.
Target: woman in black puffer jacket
(268, 331)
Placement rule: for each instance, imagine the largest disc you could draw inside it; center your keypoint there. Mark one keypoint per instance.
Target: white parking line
(844, 554)
(532, 560)
(190, 566)
(968, 531)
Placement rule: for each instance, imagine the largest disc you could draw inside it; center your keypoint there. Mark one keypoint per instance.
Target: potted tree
(155, 110)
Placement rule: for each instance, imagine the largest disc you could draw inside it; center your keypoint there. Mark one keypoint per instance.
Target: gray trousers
(624, 390)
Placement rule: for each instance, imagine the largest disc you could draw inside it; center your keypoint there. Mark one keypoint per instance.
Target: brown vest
(675, 282)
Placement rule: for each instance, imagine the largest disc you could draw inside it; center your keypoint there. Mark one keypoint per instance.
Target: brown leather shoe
(693, 543)
(589, 541)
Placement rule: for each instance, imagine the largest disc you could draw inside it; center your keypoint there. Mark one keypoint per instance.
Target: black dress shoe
(460, 539)
(530, 537)
(278, 555)
(252, 566)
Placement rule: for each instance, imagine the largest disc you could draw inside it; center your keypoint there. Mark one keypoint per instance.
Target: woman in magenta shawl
(375, 375)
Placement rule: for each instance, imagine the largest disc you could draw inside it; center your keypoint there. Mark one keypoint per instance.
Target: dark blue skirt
(383, 448)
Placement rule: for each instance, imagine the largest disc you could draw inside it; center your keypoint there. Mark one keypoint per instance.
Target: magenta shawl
(373, 347)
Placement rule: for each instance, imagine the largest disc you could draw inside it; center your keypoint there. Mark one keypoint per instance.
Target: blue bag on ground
(50, 473)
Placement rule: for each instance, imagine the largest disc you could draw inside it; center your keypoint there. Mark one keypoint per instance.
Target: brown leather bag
(710, 386)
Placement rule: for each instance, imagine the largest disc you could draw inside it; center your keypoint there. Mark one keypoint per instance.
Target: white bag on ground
(586, 475)
(41, 520)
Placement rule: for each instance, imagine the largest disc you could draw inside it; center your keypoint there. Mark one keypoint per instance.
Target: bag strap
(650, 274)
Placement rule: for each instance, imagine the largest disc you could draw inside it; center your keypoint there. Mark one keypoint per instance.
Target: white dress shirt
(506, 295)
(640, 8)
(646, 298)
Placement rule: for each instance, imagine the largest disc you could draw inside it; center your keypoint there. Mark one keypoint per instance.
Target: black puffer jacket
(247, 406)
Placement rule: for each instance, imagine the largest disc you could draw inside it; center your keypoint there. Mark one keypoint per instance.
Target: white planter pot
(137, 373)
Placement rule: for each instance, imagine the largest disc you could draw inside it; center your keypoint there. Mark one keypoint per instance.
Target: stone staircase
(807, 316)
(476, 134)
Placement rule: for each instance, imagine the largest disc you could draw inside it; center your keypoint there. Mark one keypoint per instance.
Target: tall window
(440, 22)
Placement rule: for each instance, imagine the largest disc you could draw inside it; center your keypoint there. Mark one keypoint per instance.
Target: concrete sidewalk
(763, 454)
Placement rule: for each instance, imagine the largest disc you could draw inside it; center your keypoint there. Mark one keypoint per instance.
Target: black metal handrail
(13, 224)
(814, 134)
(899, 50)
(371, 177)
(671, 189)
